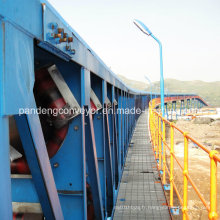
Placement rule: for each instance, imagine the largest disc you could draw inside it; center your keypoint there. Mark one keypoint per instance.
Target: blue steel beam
(172, 111)
(123, 128)
(120, 132)
(176, 110)
(110, 95)
(115, 145)
(37, 157)
(108, 158)
(113, 140)
(92, 165)
(98, 121)
(5, 181)
(85, 102)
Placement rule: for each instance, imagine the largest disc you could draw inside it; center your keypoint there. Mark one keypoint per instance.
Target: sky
(189, 31)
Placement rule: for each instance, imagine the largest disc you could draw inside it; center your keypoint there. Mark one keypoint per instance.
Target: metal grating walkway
(141, 195)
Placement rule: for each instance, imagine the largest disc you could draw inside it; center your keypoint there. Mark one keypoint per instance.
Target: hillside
(209, 91)
(133, 83)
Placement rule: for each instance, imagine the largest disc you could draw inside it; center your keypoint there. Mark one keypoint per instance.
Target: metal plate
(108, 102)
(95, 100)
(63, 88)
(26, 207)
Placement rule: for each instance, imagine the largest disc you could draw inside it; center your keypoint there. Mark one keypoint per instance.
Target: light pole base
(166, 187)
(175, 210)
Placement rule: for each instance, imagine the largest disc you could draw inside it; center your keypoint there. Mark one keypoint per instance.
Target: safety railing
(162, 150)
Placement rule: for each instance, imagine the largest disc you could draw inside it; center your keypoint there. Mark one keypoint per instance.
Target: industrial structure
(61, 164)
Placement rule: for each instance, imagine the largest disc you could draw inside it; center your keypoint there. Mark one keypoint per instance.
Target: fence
(162, 150)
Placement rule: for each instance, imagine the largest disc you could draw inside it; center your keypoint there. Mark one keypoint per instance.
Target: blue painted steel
(181, 103)
(123, 128)
(19, 77)
(5, 182)
(120, 133)
(92, 163)
(126, 123)
(98, 122)
(115, 145)
(184, 108)
(110, 94)
(23, 190)
(71, 156)
(37, 157)
(33, 28)
(190, 104)
(108, 158)
(90, 60)
(161, 76)
(18, 13)
(99, 138)
(86, 81)
(187, 104)
(85, 101)
(176, 111)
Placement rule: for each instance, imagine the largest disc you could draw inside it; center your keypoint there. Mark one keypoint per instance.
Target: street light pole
(150, 87)
(146, 31)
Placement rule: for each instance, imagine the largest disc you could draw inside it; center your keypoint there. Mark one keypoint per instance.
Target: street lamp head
(147, 78)
(142, 27)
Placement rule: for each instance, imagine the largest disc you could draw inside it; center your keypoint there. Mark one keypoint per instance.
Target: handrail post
(213, 186)
(157, 137)
(153, 128)
(185, 180)
(171, 163)
(160, 144)
(164, 153)
(150, 124)
(155, 134)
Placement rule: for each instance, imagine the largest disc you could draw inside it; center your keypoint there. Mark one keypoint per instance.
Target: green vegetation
(209, 91)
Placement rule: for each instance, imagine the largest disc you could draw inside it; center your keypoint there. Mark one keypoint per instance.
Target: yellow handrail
(185, 180)
(159, 145)
(171, 163)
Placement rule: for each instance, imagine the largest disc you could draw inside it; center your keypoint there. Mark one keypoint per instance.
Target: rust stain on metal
(70, 39)
(60, 30)
(57, 35)
(62, 40)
